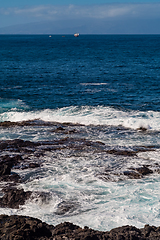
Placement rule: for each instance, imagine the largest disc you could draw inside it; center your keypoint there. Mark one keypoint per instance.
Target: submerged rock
(64, 130)
(138, 172)
(16, 144)
(143, 129)
(66, 207)
(122, 152)
(132, 174)
(144, 170)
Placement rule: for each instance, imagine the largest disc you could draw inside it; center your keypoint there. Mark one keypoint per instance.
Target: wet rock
(41, 197)
(100, 143)
(132, 174)
(148, 229)
(66, 207)
(125, 233)
(24, 228)
(14, 160)
(72, 131)
(8, 124)
(21, 227)
(144, 170)
(6, 163)
(14, 178)
(64, 130)
(34, 165)
(131, 153)
(143, 129)
(5, 168)
(13, 197)
(16, 144)
(121, 152)
(30, 165)
(65, 229)
(59, 129)
(70, 231)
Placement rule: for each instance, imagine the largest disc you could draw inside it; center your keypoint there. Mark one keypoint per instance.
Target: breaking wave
(88, 115)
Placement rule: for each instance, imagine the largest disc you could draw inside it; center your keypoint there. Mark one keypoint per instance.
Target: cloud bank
(94, 11)
(89, 13)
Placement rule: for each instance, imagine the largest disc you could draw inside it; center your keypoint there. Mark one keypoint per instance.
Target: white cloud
(103, 11)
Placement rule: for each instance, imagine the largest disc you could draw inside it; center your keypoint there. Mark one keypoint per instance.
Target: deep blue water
(122, 71)
(108, 87)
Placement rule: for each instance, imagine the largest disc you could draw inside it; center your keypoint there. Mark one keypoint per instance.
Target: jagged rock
(16, 144)
(144, 170)
(27, 228)
(121, 152)
(10, 178)
(7, 162)
(5, 168)
(34, 165)
(143, 129)
(13, 197)
(59, 129)
(132, 174)
(65, 207)
(24, 228)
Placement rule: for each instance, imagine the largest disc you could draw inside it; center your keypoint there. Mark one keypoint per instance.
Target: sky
(84, 16)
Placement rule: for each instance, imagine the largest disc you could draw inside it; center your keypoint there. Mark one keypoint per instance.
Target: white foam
(93, 84)
(89, 115)
(103, 206)
(12, 104)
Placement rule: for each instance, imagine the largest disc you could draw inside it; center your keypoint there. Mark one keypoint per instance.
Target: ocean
(96, 100)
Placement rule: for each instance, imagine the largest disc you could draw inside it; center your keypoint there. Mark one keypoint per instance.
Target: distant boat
(50, 36)
(76, 34)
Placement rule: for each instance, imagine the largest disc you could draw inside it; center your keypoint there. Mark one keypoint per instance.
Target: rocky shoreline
(15, 154)
(20, 154)
(26, 228)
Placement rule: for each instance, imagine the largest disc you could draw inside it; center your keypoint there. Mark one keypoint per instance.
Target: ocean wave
(88, 115)
(10, 104)
(93, 84)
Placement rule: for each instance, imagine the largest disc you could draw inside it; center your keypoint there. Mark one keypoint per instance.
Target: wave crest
(89, 115)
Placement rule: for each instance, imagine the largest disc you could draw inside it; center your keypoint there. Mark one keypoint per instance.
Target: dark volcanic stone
(64, 130)
(143, 129)
(5, 168)
(6, 164)
(24, 228)
(144, 170)
(125, 233)
(14, 197)
(34, 165)
(121, 152)
(65, 207)
(27, 228)
(132, 174)
(59, 129)
(10, 178)
(16, 144)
